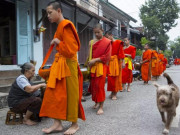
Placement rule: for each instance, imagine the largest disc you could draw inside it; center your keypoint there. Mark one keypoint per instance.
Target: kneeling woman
(22, 96)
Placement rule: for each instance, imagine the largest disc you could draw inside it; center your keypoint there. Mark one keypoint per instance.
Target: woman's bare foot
(29, 122)
(56, 127)
(100, 111)
(72, 130)
(96, 106)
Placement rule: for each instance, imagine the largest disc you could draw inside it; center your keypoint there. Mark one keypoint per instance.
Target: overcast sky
(132, 7)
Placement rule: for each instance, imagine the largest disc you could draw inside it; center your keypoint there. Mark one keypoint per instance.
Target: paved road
(134, 113)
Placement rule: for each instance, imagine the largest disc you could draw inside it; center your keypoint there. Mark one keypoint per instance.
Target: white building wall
(38, 46)
(91, 5)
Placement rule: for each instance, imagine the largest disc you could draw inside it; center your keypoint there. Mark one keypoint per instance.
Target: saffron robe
(161, 67)
(127, 75)
(175, 62)
(146, 67)
(115, 67)
(164, 63)
(155, 63)
(62, 98)
(101, 49)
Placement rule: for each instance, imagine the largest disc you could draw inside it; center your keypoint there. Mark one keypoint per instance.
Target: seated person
(23, 96)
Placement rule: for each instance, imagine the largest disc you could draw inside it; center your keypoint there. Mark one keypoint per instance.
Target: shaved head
(55, 5)
(98, 26)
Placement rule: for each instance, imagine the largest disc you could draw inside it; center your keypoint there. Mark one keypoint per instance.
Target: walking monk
(146, 64)
(115, 66)
(161, 58)
(62, 99)
(130, 53)
(165, 62)
(101, 53)
(155, 64)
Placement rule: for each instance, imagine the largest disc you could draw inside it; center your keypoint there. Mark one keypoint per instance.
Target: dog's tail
(169, 80)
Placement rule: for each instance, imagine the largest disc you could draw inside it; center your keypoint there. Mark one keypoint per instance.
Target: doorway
(7, 33)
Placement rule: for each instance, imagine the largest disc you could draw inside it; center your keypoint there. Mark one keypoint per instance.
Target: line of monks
(153, 64)
(177, 61)
(107, 58)
(112, 59)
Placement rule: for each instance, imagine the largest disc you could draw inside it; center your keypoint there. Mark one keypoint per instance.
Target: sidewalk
(3, 113)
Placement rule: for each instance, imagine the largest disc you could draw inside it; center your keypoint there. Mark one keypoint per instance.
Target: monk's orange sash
(114, 66)
(59, 70)
(98, 69)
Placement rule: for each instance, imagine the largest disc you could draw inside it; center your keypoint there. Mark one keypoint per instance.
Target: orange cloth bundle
(98, 69)
(114, 66)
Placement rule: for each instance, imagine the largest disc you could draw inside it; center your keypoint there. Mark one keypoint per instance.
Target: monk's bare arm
(93, 61)
(30, 89)
(145, 61)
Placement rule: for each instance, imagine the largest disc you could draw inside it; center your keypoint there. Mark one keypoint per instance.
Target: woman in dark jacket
(22, 97)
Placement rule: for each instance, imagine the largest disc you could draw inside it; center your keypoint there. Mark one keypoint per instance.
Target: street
(134, 113)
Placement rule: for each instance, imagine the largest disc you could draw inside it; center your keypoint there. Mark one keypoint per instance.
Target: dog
(167, 101)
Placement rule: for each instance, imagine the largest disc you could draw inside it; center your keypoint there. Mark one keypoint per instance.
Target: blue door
(24, 32)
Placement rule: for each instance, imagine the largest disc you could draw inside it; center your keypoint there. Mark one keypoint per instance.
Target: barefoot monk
(130, 53)
(146, 64)
(62, 99)
(101, 53)
(155, 64)
(115, 66)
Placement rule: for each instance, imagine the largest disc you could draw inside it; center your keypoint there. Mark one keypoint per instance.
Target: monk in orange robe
(101, 53)
(155, 64)
(62, 98)
(164, 63)
(130, 53)
(146, 64)
(161, 58)
(175, 61)
(115, 66)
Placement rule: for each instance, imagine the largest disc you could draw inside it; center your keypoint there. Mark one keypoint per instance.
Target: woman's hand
(55, 41)
(43, 85)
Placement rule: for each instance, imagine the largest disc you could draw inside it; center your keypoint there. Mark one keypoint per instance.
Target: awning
(134, 31)
(86, 11)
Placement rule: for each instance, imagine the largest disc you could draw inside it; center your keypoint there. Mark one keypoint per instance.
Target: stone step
(4, 91)
(9, 73)
(3, 100)
(7, 80)
(5, 88)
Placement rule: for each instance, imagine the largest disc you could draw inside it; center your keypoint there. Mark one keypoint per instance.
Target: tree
(175, 47)
(138, 52)
(158, 17)
(144, 41)
(168, 53)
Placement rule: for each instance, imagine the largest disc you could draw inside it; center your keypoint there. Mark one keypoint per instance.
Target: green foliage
(162, 41)
(168, 53)
(158, 17)
(175, 47)
(138, 52)
(144, 41)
